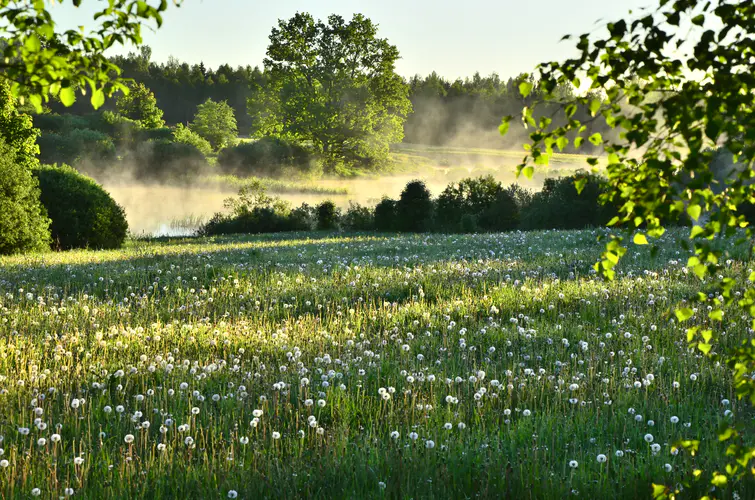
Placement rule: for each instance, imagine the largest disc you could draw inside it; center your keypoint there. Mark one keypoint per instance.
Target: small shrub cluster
(472, 205)
(267, 157)
(165, 160)
(83, 214)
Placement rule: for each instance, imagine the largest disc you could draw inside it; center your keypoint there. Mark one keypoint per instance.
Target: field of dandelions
(352, 366)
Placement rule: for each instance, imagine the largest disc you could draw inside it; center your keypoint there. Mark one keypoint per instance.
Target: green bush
(77, 144)
(185, 135)
(358, 218)
(83, 214)
(168, 161)
(385, 215)
(414, 209)
(327, 216)
(267, 157)
(502, 214)
(560, 206)
(23, 221)
(471, 196)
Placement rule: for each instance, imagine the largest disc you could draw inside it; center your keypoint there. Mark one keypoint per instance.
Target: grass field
(353, 366)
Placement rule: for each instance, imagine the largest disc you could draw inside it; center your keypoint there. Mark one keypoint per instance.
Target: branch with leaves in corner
(680, 92)
(41, 62)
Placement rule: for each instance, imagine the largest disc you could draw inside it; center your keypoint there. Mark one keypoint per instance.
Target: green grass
(204, 332)
(434, 151)
(276, 186)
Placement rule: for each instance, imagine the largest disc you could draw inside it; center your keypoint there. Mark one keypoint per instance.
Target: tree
(140, 104)
(216, 123)
(332, 84)
(23, 222)
(414, 209)
(674, 87)
(41, 62)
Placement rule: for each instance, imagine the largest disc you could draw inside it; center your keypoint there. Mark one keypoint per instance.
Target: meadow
(358, 366)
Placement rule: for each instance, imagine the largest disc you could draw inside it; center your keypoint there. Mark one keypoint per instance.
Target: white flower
(655, 447)
(602, 458)
(448, 426)
(573, 464)
(232, 494)
(413, 436)
(395, 435)
(381, 485)
(78, 460)
(674, 419)
(4, 463)
(41, 442)
(321, 403)
(244, 440)
(68, 492)
(429, 444)
(276, 435)
(129, 438)
(195, 411)
(161, 447)
(462, 426)
(36, 492)
(188, 441)
(526, 413)
(107, 409)
(257, 413)
(668, 467)
(619, 453)
(649, 438)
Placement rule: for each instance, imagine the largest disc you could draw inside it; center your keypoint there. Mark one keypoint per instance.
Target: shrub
(385, 215)
(157, 134)
(327, 216)
(302, 218)
(469, 223)
(169, 161)
(83, 214)
(266, 157)
(414, 209)
(75, 145)
(560, 206)
(471, 196)
(140, 105)
(215, 122)
(23, 221)
(358, 218)
(185, 135)
(502, 214)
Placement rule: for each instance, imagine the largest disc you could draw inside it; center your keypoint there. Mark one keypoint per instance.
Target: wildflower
(35, 492)
(129, 438)
(674, 419)
(232, 494)
(526, 413)
(649, 438)
(276, 435)
(448, 426)
(655, 448)
(602, 459)
(78, 460)
(668, 467)
(462, 426)
(381, 485)
(429, 444)
(188, 441)
(161, 447)
(4, 463)
(68, 492)
(257, 413)
(619, 453)
(413, 436)
(321, 403)
(573, 464)
(41, 442)
(244, 440)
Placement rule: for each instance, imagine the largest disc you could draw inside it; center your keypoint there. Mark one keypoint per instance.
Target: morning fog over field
(377, 250)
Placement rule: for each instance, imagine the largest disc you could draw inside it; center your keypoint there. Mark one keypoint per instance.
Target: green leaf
(683, 314)
(719, 480)
(98, 98)
(594, 106)
(640, 239)
(694, 211)
(595, 139)
(32, 43)
(67, 96)
(716, 315)
(528, 171)
(525, 88)
(503, 128)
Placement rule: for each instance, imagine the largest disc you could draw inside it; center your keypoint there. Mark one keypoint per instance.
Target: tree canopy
(41, 62)
(679, 85)
(215, 122)
(332, 84)
(139, 104)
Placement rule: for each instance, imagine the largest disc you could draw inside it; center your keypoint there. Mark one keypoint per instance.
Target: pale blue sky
(454, 38)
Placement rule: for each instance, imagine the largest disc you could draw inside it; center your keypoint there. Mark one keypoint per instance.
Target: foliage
(504, 212)
(23, 223)
(24, 226)
(327, 216)
(267, 157)
(385, 215)
(42, 63)
(139, 104)
(185, 135)
(471, 196)
(83, 214)
(414, 209)
(332, 84)
(168, 161)
(216, 123)
(673, 109)
(75, 145)
(358, 218)
(560, 206)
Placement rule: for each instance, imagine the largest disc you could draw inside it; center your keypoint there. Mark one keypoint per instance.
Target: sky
(453, 38)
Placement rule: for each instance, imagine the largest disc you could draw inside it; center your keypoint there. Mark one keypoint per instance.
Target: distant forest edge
(464, 113)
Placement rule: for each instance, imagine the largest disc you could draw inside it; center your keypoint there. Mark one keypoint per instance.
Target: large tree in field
(216, 123)
(333, 85)
(680, 87)
(139, 104)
